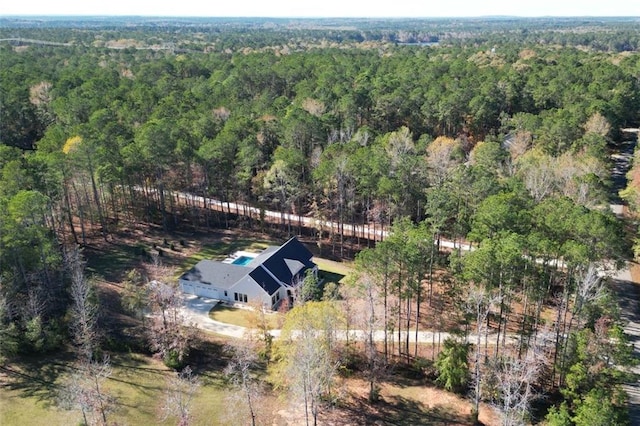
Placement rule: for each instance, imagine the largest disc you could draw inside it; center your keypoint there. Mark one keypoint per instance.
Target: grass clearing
(137, 382)
(16, 409)
(140, 384)
(336, 269)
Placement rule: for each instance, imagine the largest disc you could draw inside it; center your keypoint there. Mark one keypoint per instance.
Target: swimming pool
(242, 260)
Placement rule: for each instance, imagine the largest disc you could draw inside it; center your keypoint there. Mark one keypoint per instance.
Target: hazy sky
(323, 8)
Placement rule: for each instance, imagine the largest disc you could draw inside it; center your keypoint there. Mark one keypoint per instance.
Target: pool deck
(238, 254)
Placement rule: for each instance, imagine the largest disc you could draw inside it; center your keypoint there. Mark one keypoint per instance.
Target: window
(225, 293)
(239, 297)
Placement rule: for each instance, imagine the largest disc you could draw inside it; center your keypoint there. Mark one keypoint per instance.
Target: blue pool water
(242, 260)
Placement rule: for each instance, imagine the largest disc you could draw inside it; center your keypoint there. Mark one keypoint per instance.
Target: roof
(274, 267)
(264, 255)
(292, 257)
(223, 275)
(261, 276)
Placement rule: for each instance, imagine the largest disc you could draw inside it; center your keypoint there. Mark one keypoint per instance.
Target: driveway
(196, 311)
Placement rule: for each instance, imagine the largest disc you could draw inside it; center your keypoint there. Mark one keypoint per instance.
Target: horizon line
(65, 15)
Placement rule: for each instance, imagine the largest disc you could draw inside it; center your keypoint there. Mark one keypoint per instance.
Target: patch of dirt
(410, 404)
(635, 271)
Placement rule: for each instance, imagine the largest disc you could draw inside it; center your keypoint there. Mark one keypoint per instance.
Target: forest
(495, 134)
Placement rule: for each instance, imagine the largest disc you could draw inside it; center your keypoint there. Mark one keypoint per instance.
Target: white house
(267, 278)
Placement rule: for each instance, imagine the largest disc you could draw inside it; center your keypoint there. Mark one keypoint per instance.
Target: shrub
(453, 366)
(173, 360)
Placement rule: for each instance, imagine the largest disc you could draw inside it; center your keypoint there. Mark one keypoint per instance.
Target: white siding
(187, 287)
(254, 292)
(199, 289)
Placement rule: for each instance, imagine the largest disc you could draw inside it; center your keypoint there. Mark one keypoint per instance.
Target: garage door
(187, 288)
(205, 291)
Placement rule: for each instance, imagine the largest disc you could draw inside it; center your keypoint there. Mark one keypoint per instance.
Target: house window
(239, 297)
(225, 293)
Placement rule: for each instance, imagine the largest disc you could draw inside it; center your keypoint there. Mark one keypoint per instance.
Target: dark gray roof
(265, 280)
(222, 275)
(290, 260)
(264, 255)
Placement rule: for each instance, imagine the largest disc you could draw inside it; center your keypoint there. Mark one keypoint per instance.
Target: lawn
(138, 383)
(333, 271)
(241, 317)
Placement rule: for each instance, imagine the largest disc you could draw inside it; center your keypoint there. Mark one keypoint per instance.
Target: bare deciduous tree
(84, 390)
(84, 311)
(598, 124)
(260, 329)
(239, 371)
(169, 336)
(479, 303)
(181, 389)
(514, 378)
(442, 158)
(368, 318)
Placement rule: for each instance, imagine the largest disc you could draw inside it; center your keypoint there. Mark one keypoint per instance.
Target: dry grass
(635, 272)
(408, 403)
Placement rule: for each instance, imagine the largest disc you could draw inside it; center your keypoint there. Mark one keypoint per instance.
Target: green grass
(137, 382)
(333, 271)
(238, 316)
(330, 277)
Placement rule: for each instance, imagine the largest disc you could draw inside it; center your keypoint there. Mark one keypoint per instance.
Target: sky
(323, 8)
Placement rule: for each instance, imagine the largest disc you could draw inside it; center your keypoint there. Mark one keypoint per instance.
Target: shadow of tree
(113, 262)
(401, 411)
(39, 377)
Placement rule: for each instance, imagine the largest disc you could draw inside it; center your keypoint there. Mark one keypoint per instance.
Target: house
(268, 277)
